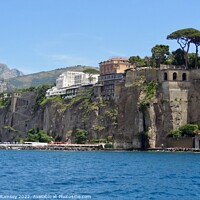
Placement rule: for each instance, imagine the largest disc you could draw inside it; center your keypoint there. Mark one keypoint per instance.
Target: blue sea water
(99, 175)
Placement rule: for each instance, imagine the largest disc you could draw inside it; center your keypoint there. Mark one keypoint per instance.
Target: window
(174, 76)
(184, 77)
(165, 76)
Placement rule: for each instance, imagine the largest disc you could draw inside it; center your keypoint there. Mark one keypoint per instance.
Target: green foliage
(184, 37)
(58, 138)
(185, 130)
(175, 134)
(9, 128)
(111, 115)
(80, 136)
(159, 54)
(150, 92)
(91, 71)
(98, 128)
(178, 57)
(137, 61)
(36, 135)
(40, 95)
(23, 90)
(108, 145)
(5, 103)
(57, 98)
(188, 129)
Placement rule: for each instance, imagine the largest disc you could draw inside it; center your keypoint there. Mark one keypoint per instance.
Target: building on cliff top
(111, 72)
(68, 84)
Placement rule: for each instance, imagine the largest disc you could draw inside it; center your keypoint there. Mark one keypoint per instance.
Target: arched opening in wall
(184, 77)
(174, 76)
(165, 76)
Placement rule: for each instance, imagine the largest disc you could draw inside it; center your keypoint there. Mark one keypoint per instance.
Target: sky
(42, 35)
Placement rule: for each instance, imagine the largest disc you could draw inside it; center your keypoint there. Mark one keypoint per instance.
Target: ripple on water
(103, 175)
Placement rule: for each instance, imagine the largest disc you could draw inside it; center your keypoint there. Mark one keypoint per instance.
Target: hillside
(44, 77)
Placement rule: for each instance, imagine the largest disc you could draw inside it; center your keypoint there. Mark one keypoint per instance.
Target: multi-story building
(111, 72)
(114, 65)
(67, 79)
(68, 83)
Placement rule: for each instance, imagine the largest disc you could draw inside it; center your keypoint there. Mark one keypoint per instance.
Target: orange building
(111, 72)
(114, 65)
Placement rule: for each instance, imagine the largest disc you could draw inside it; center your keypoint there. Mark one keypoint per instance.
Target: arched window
(174, 76)
(165, 76)
(184, 77)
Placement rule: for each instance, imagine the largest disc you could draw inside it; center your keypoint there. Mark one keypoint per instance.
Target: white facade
(71, 79)
(67, 79)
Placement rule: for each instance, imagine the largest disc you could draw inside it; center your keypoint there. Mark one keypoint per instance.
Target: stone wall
(187, 142)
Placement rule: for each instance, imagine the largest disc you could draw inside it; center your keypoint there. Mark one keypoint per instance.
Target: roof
(115, 59)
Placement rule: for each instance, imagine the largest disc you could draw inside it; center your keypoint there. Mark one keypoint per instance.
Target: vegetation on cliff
(80, 136)
(36, 135)
(185, 130)
(5, 102)
(149, 91)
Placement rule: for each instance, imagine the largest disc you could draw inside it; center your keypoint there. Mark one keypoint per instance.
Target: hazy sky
(41, 35)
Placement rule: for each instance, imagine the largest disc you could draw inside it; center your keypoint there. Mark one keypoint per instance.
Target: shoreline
(89, 147)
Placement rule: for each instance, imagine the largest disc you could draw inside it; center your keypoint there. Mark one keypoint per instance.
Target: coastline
(89, 147)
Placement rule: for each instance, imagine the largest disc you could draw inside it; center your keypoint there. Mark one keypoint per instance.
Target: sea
(103, 175)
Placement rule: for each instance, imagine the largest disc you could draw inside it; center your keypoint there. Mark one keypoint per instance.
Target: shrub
(108, 145)
(188, 129)
(81, 136)
(36, 135)
(174, 134)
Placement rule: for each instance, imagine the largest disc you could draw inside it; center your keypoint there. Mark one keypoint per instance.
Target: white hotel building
(67, 84)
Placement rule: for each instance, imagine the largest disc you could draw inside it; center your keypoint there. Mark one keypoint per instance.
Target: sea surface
(99, 175)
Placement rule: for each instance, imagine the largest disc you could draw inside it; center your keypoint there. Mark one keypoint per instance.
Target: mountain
(6, 73)
(44, 77)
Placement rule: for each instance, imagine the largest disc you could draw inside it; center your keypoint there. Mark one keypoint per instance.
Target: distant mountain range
(44, 77)
(6, 73)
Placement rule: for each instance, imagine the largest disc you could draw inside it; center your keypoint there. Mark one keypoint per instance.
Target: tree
(159, 54)
(183, 38)
(185, 130)
(195, 39)
(192, 60)
(91, 72)
(188, 129)
(147, 61)
(178, 57)
(137, 61)
(81, 136)
(36, 135)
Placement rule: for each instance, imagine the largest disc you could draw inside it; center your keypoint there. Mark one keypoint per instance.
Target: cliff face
(57, 117)
(143, 113)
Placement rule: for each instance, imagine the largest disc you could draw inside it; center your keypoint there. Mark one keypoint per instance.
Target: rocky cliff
(143, 112)
(6, 73)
